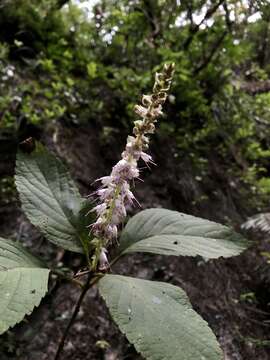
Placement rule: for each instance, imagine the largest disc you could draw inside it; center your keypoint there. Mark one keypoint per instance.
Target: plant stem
(81, 273)
(85, 288)
(63, 276)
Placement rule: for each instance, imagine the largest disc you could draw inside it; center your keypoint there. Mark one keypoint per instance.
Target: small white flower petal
(146, 157)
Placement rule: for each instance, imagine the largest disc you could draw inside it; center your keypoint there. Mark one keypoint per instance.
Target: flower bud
(103, 260)
(140, 110)
(147, 100)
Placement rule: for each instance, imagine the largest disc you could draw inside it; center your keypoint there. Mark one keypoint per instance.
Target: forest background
(71, 73)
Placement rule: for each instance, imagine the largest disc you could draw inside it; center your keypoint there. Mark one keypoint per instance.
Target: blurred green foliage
(60, 62)
(7, 189)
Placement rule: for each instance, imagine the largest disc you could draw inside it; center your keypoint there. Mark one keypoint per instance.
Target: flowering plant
(156, 317)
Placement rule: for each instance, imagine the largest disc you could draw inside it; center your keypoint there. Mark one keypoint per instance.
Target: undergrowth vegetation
(60, 62)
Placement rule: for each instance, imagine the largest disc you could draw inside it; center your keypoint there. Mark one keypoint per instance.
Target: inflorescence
(114, 194)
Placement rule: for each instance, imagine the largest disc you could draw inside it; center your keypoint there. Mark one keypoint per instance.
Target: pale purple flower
(111, 232)
(119, 211)
(106, 180)
(125, 170)
(98, 226)
(127, 195)
(105, 193)
(146, 157)
(100, 209)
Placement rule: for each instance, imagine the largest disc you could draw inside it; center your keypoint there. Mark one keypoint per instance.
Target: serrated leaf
(50, 198)
(158, 319)
(167, 232)
(23, 283)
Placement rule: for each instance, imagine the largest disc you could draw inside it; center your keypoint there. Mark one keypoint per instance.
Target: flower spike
(114, 193)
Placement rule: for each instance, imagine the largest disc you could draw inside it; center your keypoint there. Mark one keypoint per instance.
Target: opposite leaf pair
(156, 317)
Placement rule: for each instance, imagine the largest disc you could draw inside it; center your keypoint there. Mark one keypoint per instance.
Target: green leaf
(23, 283)
(158, 319)
(92, 70)
(50, 198)
(168, 232)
